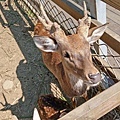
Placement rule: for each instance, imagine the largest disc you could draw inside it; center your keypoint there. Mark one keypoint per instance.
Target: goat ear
(45, 43)
(97, 33)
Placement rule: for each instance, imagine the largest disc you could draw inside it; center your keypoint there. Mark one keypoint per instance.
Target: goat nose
(95, 78)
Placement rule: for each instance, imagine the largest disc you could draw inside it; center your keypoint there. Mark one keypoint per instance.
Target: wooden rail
(111, 38)
(96, 107)
(113, 3)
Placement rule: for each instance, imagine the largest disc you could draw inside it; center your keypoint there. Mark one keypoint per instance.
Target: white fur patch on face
(76, 83)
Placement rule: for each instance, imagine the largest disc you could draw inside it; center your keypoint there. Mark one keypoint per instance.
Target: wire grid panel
(109, 64)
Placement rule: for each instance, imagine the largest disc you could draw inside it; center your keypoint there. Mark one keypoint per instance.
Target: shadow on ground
(35, 79)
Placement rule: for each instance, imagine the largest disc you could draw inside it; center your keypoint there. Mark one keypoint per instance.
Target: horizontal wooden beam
(113, 3)
(70, 7)
(109, 37)
(97, 106)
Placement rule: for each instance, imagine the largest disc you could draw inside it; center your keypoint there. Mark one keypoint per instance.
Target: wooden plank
(113, 3)
(70, 7)
(113, 16)
(112, 39)
(97, 106)
(114, 25)
(112, 9)
(109, 37)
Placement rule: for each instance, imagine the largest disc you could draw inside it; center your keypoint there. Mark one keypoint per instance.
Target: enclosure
(26, 74)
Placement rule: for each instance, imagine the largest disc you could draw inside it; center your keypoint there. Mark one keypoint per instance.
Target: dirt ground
(23, 76)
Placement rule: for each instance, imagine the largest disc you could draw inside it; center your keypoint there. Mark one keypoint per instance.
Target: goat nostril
(95, 77)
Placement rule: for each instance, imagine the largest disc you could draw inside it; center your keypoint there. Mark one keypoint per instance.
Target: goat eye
(66, 55)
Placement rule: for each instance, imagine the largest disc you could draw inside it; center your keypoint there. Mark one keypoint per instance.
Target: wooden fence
(107, 100)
